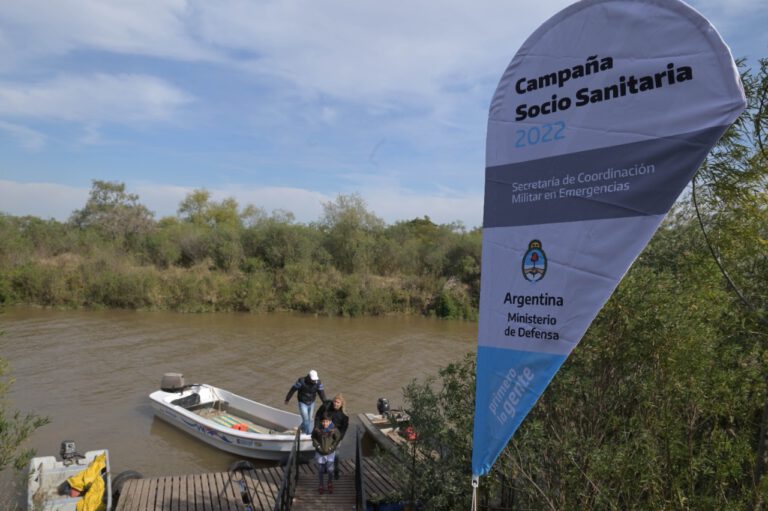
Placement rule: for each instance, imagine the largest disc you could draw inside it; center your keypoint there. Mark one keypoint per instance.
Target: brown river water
(91, 372)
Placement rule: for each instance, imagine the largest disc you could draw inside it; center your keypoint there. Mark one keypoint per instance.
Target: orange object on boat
(240, 427)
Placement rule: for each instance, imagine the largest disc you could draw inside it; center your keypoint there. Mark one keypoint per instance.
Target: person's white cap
(313, 375)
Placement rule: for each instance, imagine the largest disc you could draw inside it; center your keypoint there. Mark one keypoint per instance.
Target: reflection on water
(91, 371)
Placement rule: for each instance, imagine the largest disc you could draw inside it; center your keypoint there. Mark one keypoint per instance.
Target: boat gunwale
(162, 398)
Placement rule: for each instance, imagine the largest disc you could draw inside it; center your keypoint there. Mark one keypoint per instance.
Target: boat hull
(382, 430)
(274, 445)
(46, 474)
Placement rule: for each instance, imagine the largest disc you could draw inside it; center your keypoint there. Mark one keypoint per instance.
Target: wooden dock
(252, 490)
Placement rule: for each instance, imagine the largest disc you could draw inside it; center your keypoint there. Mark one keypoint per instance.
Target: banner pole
(475, 484)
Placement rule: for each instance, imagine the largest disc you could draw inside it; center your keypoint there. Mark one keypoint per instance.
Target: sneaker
(320, 490)
(330, 487)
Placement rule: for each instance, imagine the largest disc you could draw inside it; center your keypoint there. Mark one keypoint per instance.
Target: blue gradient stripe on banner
(515, 380)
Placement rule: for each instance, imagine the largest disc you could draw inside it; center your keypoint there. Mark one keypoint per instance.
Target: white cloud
(43, 200)
(99, 97)
(395, 204)
(365, 50)
(28, 138)
(400, 50)
(163, 28)
(390, 53)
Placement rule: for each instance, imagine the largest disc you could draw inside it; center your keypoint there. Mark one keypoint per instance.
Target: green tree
(15, 427)
(114, 213)
(351, 232)
(436, 467)
(198, 208)
(216, 230)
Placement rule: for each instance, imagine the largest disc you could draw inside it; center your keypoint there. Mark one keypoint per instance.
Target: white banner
(597, 125)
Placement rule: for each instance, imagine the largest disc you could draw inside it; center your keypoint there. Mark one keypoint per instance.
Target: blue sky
(283, 105)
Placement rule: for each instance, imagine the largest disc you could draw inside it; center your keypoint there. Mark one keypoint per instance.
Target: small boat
(228, 421)
(47, 487)
(388, 428)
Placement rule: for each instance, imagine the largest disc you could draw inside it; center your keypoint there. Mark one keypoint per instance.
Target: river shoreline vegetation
(15, 429)
(215, 256)
(664, 403)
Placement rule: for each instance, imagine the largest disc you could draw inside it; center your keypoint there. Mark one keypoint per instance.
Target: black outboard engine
(382, 405)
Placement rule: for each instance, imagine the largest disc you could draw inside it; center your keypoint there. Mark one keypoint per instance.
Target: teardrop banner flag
(596, 127)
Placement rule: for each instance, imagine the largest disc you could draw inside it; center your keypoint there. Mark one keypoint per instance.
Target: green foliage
(15, 427)
(658, 408)
(217, 257)
(351, 233)
(114, 213)
(644, 414)
(435, 469)
(454, 302)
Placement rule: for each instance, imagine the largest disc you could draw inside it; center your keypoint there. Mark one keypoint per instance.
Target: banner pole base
(475, 484)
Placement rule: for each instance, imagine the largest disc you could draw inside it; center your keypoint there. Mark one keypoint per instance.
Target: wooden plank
(228, 494)
(261, 490)
(128, 496)
(273, 478)
(210, 493)
(373, 486)
(215, 490)
(152, 495)
(132, 490)
(378, 483)
(241, 490)
(247, 484)
(232, 496)
(156, 502)
(200, 504)
(144, 494)
(221, 491)
(164, 494)
(187, 490)
(179, 497)
(308, 498)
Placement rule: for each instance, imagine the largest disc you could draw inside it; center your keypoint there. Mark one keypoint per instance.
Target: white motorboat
(228, 421)
(47, 488)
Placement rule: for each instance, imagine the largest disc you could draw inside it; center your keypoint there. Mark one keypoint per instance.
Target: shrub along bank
(217, 256)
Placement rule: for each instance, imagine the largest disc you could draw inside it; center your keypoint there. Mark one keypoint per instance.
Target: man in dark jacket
(309, 387)
(335, 410)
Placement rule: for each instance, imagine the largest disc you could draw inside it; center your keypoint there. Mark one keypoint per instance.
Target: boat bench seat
(229, 420)
(221, 406)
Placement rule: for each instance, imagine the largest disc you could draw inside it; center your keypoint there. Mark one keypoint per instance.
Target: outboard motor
(69, 452)
(382, 405)
(172, 382)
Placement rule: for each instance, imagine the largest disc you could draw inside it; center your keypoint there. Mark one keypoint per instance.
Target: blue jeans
(307, 420)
